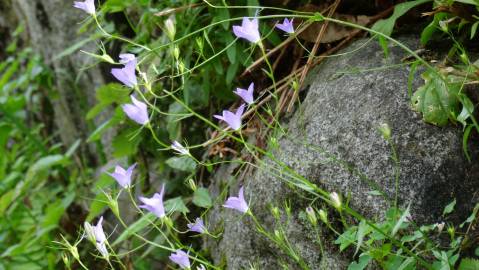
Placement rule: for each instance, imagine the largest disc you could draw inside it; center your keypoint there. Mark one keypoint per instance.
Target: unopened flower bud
(335, 200)
(323, 216)
(311, 215)
(90, 234)
(176, 52)
(181, 66)
(295, 86)
(192, 184)
(451, 231)
(170, 29)
(200, 43)
(278, 235)
(385, 131)
(440, 226)
(275, 212)
(66, 260)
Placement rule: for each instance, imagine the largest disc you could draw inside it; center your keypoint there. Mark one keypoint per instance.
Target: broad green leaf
(449, 208)
(401, 220)
(362, 231)
(176, 205)
(126, 143)
(202, 198)
(432, 27)
(437, 99)
(183, 163)
(469, 264)
(361, 264)
(386, 26)
(54, 211)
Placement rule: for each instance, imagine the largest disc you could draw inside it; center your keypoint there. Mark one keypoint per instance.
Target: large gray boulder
(333, 140)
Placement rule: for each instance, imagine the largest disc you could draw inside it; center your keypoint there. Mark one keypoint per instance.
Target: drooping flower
(122, 176)
(246, 95)
(286, 26)
(179, 148)
(181, 258)
(237, 203)
(201, 267)
(125, 58)
(127, 74)
(232, 119)
(88, 6)
(155, 203)
(198, 226)
(137, 111)
(96, 235)
(248, 30)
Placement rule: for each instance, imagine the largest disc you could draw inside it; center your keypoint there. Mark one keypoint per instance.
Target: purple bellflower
(237, 203)
(286, 26)
(96, 235)
(198, 226)
(246, 95)
(155, 203)
(122, 176)
(179, 148)
(232, 119)
(88, 6)
(248, 30)
(125, 58)
(126, 75)
(137, 111)
(181, 258)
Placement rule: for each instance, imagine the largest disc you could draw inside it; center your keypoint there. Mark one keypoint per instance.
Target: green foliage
(34, 193)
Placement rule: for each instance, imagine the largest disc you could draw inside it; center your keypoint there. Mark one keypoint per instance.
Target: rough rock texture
(333, 141)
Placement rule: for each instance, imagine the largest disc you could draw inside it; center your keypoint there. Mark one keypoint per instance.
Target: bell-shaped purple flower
(198, 226)
(88, 6)
(125, 58)
(179, 148)
(232, 119)
(127, 74)
(246, 95)
(137, 111)
(248, 30)
(95, 233)
(286, 26)
(122, 176)
(237, 203)
(155, 203)
(181, 258)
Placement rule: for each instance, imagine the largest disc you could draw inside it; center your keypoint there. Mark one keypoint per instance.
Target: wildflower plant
(167, 87)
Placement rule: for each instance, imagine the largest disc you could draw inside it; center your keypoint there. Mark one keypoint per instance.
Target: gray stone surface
(338, 120)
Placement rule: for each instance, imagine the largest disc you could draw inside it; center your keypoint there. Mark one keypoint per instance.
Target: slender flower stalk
(237, 203)
(248, 30)
(137, 111)
(122, 176)
(155, 203)
(198, 226)
(181, 258)
(246, 95)
(232, 119)
(180, 148)
(127, 74)
(88, 6)
(286, 26)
